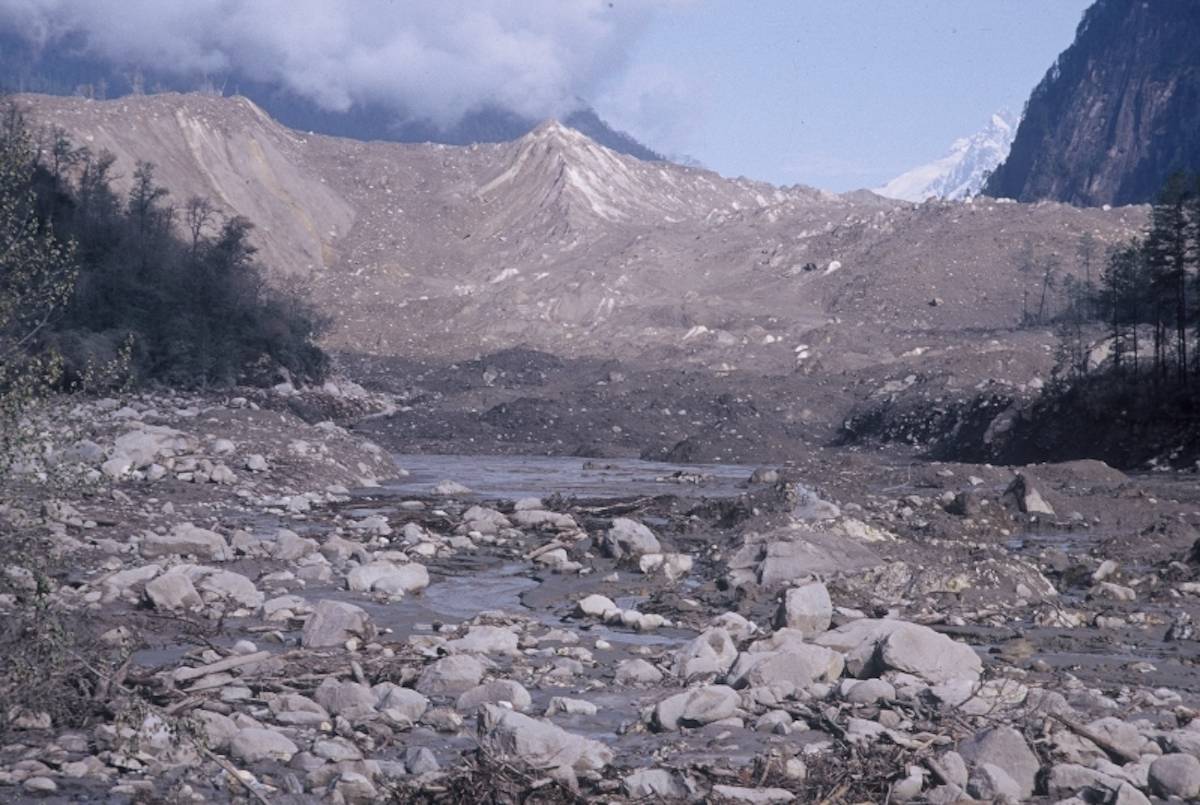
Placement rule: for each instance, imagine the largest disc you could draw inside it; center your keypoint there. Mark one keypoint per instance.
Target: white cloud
(428, 58)
(656, 103)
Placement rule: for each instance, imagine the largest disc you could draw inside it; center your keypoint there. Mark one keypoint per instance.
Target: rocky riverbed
(209, 599)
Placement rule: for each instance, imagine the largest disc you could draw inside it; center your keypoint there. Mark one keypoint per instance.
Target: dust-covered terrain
(262, 609)
(636, 484)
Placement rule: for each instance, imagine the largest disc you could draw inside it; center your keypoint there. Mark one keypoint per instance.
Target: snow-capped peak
(961, 173)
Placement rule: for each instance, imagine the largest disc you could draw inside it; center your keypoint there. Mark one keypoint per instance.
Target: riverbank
(259, 609)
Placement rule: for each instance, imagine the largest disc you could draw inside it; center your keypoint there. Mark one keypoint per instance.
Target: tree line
(1146, 295)
(92, 276)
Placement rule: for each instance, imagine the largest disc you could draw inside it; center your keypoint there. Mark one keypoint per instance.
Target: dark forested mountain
(67, 70)
(1116, 114)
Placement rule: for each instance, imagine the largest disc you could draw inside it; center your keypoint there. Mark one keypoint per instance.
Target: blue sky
(838, 94)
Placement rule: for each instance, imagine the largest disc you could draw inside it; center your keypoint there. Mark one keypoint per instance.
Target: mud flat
(214, 601)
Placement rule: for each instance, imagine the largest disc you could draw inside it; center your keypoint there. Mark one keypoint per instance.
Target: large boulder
(1026, 498)
(332, 623)
(495, 692)
(792, 668)
(351, 699)
(807, 608)
(186, 539)
(1005, 748)
(254, 744)
(1176, 775)
(148, 443)
(233, 586)
(874, 646)
(629, 537)
(711, 653)
(172, 591)
(451, 675)
(696, 707)
(403, 705)
(782, 556)
(538, 744)
(388, 577)
(485, 640)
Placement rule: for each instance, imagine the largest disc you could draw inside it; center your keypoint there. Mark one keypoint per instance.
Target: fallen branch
(184, 674)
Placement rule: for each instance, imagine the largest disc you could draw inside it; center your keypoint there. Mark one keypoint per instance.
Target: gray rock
(807, 608)
(234, 586)
(389, 577)
(1066, 779)
(796, 554)
(570, 707)
(450, 489)
(355, 788)
(186, 540)
(1128, 795)
(764, 475)
(294, 709)
(350, 699)
(451, 675)
(629, 537)
(637, 672)
(596, 606)
(143, 446)
(420, 760)
(991, 783)
(712, 653)
(872, 646)
(487, 521)
(218, 729)
(1006, 749)
(795, 667)
(1175, 775)
(400, 704)
(753, 796)
(485, 640)
(870, 691)
(954, 768)
(254, 744)
(494, 692)
(291, 547)
(652, 784)
(696, 707)
(173, 591)
(257, 463)
(332, 623)
(1027, 499)
(537, 743)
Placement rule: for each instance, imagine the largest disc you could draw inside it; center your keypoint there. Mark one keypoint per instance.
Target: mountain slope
(555, 242)
(962, 172)
(1116, 114)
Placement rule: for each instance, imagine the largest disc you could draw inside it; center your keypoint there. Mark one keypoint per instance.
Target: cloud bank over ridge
(424, 60)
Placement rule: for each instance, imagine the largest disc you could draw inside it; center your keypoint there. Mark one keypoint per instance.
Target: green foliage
(37, 274)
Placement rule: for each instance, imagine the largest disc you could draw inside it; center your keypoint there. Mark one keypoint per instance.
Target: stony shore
(245, 613)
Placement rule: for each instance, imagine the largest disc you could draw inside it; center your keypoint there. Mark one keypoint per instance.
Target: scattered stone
(752, 796)
(173, 591)
(453, 675)
(807, 608)
(1175, 775)
(1006, 749)
(629, 537)
(332, 623)
(254, 744)
(695, 708)
(537, 743)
